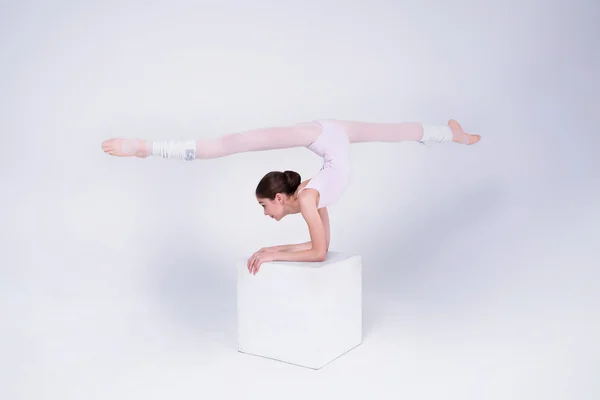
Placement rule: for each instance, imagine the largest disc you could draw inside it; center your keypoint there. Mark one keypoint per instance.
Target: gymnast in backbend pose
(283, 193)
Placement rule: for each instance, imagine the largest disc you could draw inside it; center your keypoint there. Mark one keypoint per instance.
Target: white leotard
(333, 177)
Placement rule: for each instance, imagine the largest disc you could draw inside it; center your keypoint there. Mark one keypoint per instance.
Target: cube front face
(302, 313)
(276, 317)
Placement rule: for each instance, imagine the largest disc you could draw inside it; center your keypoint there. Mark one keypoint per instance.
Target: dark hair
(277, 182)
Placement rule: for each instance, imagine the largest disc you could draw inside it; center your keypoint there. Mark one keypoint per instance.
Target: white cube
(303, 313)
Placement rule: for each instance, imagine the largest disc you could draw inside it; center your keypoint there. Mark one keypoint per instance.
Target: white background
(117, 277)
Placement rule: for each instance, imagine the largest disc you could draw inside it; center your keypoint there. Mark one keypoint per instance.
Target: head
(275, 192)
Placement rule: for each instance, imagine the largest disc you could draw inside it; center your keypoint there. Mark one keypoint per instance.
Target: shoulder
(308, 199)
(307, 195)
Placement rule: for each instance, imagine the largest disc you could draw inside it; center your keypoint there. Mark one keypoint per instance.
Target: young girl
(283, 193)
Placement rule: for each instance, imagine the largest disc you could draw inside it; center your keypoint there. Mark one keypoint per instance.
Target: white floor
(480, 264)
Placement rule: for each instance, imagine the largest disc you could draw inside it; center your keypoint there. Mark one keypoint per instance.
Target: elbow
(319, 252)
(321, 255)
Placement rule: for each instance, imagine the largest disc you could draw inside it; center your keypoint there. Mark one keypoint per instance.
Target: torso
(332, 178)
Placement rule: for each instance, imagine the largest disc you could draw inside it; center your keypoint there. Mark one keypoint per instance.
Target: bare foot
(127, 147)
(460, 136)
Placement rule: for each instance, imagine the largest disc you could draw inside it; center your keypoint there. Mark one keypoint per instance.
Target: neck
(292, 207)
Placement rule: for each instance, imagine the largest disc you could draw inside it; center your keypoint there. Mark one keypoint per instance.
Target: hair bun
(292, 179)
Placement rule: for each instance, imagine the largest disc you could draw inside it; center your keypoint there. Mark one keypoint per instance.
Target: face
(273, 208)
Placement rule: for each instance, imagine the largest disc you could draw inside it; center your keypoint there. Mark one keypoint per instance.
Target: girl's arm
(326, 226)
(318, 226)
(307, 245)
(294, 247)
(318, 229)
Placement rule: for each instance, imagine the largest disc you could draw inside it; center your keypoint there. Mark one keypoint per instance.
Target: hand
(255, 261)
(254, 256)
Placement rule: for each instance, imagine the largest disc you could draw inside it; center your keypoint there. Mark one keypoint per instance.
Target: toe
(107, 144)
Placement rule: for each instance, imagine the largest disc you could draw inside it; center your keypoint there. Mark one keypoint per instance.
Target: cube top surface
(332, 257)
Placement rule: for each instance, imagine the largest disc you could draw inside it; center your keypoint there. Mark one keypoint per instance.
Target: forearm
(300, 255)
(294, 247)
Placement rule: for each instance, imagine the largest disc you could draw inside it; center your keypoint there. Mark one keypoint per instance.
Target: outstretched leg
(407, 131)
(270, 138)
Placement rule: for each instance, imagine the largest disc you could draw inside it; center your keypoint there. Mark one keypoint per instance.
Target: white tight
(270, 138)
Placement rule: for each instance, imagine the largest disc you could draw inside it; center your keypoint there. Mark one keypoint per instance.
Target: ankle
(436, 134)
(174, 149)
